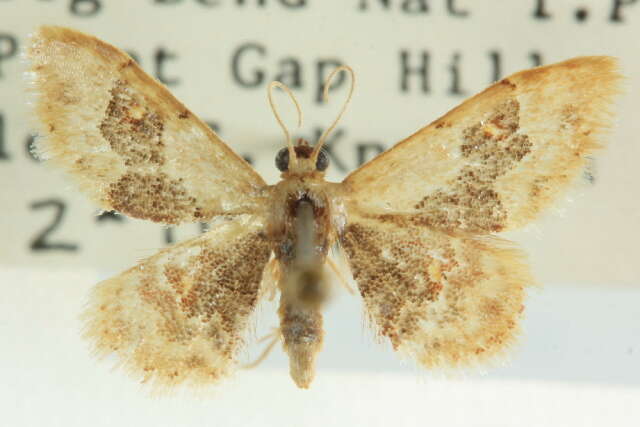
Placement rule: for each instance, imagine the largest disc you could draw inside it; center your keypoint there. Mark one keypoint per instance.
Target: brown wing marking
(180, 316)
(496, 161)
(128, 143)
(445, 301)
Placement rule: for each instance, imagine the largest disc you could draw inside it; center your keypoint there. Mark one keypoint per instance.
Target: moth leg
(270, 279)
(275, 337)
(343, 281)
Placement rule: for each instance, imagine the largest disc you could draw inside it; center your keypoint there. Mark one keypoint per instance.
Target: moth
(418, 224)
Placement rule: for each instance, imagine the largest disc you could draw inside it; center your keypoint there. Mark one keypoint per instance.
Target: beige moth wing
(126, 140)
(496, 161)
(179, 316)
(419, 237)
(445, 300)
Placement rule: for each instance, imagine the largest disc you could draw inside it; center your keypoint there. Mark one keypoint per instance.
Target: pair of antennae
(325, 98)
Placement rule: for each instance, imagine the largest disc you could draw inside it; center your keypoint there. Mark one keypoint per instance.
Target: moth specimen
(417, 224)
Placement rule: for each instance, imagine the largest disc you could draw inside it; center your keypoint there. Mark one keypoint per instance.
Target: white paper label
(414, 60)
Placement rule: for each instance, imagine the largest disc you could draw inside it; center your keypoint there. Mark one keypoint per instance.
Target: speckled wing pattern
(496, 161)
(434, 278)
(180, 315)
(128, 143)
(446, 301)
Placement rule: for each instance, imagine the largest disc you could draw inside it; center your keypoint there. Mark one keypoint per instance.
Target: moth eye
(322, 163)
(282, 160)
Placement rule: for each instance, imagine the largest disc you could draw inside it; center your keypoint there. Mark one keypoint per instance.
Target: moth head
(300, 158)
(304, 160)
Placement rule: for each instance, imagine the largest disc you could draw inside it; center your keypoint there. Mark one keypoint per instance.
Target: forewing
(180, 316)
(501, 157)
(129, 144)
(445, 301)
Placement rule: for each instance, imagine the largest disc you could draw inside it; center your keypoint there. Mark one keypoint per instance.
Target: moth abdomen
(307, 286)
(303, 285)
(301, 328)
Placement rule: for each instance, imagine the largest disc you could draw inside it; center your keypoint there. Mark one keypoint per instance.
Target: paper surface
(412, 66)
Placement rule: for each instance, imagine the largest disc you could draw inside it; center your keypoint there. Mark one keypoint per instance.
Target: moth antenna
(285, 88)
(325, 97)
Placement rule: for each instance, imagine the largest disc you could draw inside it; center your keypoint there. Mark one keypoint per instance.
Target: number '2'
(42, 241)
